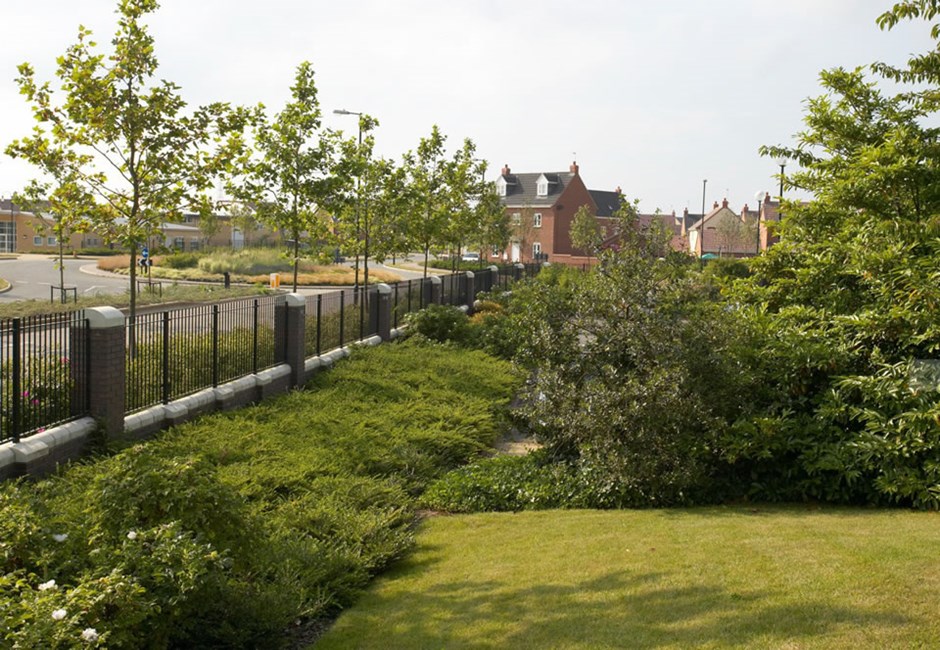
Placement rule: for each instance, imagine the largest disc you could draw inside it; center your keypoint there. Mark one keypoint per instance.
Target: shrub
(179, 260)
(440, 323)
(506, 484)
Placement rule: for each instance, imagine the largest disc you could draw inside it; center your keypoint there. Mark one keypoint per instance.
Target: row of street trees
(120, 153)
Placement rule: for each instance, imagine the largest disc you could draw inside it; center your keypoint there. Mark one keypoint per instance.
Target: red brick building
(541, 207)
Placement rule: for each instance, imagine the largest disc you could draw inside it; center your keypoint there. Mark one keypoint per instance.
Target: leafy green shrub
(439, 323)
(179, 260)
(504, 484)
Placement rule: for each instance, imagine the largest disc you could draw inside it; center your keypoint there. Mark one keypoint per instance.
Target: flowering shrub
(45, 394)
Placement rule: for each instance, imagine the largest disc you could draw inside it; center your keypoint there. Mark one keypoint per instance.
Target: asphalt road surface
(30, 277)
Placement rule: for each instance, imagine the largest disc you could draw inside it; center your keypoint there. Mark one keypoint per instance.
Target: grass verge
(721, 577)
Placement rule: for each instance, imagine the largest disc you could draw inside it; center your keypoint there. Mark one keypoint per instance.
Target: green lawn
(724, 577)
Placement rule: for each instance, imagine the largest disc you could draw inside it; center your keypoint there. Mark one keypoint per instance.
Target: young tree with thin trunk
(289, 175)
(123, 136)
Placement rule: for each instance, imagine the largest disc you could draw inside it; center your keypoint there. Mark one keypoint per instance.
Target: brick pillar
(518, 271)
(437, 292)
(106, 368)
(295, 318)
(471, 291)
(383, 311)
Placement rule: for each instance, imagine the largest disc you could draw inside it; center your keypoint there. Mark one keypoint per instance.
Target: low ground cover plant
(249, 265)
(228, 531)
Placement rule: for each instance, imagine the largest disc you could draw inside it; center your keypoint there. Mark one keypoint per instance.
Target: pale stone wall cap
(104, 317)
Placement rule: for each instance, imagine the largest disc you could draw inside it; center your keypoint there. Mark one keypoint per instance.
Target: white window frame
(37, 240)
(536, 250)
(51, 241)
(541, 189)
(537, 220)
(517, 218)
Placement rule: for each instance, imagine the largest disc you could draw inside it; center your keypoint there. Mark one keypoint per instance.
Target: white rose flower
(59, 614)
(47, 585)
(60, 537)
(89, 634)
(132, 535)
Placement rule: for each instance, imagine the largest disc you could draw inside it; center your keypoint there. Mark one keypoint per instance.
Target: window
(536, 250)
(37, 240)
(542, 188)
(194, 243)
(496, 252)
(51, 241)
(501, 186)
(179, 243)
(516, 219)
(537, 220)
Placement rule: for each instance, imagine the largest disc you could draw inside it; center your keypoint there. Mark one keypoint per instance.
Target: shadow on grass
(617, 610)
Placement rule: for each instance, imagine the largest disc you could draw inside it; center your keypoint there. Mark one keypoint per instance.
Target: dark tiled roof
(521, 189)
(607, 202)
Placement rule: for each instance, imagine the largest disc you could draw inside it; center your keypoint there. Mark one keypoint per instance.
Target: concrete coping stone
(265, 377)
(104, 317)
(398, 332)
(7, 456)
(383, 289)
(471, 274)
(435, 279)
(312, 364)
(519, 265)
(494, 268)
(295, 300)
(33, 448)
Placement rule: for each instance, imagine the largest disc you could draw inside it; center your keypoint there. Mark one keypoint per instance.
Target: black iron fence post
(166, 358)
(319, 320)
(254, 338)
(17, 385)
(342, 316)
(215, 346)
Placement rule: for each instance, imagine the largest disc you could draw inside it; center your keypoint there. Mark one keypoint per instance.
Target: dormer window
(501, 186)
(542, 184)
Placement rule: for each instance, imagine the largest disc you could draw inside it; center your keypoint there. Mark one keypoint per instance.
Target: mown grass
(721, 577)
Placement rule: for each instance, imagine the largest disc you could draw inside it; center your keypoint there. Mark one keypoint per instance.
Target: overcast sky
(650, 96)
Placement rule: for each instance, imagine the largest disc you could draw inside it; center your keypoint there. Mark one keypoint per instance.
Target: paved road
(30, 277)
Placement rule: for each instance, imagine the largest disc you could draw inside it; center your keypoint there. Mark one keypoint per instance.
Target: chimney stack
(505, 171)
(618, 190)
(574, 167)
(715, 206)
(724, 203)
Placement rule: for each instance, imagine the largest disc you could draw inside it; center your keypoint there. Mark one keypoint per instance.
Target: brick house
(541, 207)
(725, 233)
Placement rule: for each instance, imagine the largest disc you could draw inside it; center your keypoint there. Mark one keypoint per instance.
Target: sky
(649, 96)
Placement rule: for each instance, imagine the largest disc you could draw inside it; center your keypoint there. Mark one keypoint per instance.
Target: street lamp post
(701, 234)
(760, 204)
(342, 111)
(782, 161)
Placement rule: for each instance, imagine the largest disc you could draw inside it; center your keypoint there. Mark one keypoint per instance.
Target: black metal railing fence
(42, 359)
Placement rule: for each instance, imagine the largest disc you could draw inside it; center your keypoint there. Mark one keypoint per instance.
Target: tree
(585, 231)
(124, 137)
(209, 226)
(493, 229)
(735, 235)
(289, 175)
(243, 218)
(67, 203)
(428, 169)
(848, 302)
